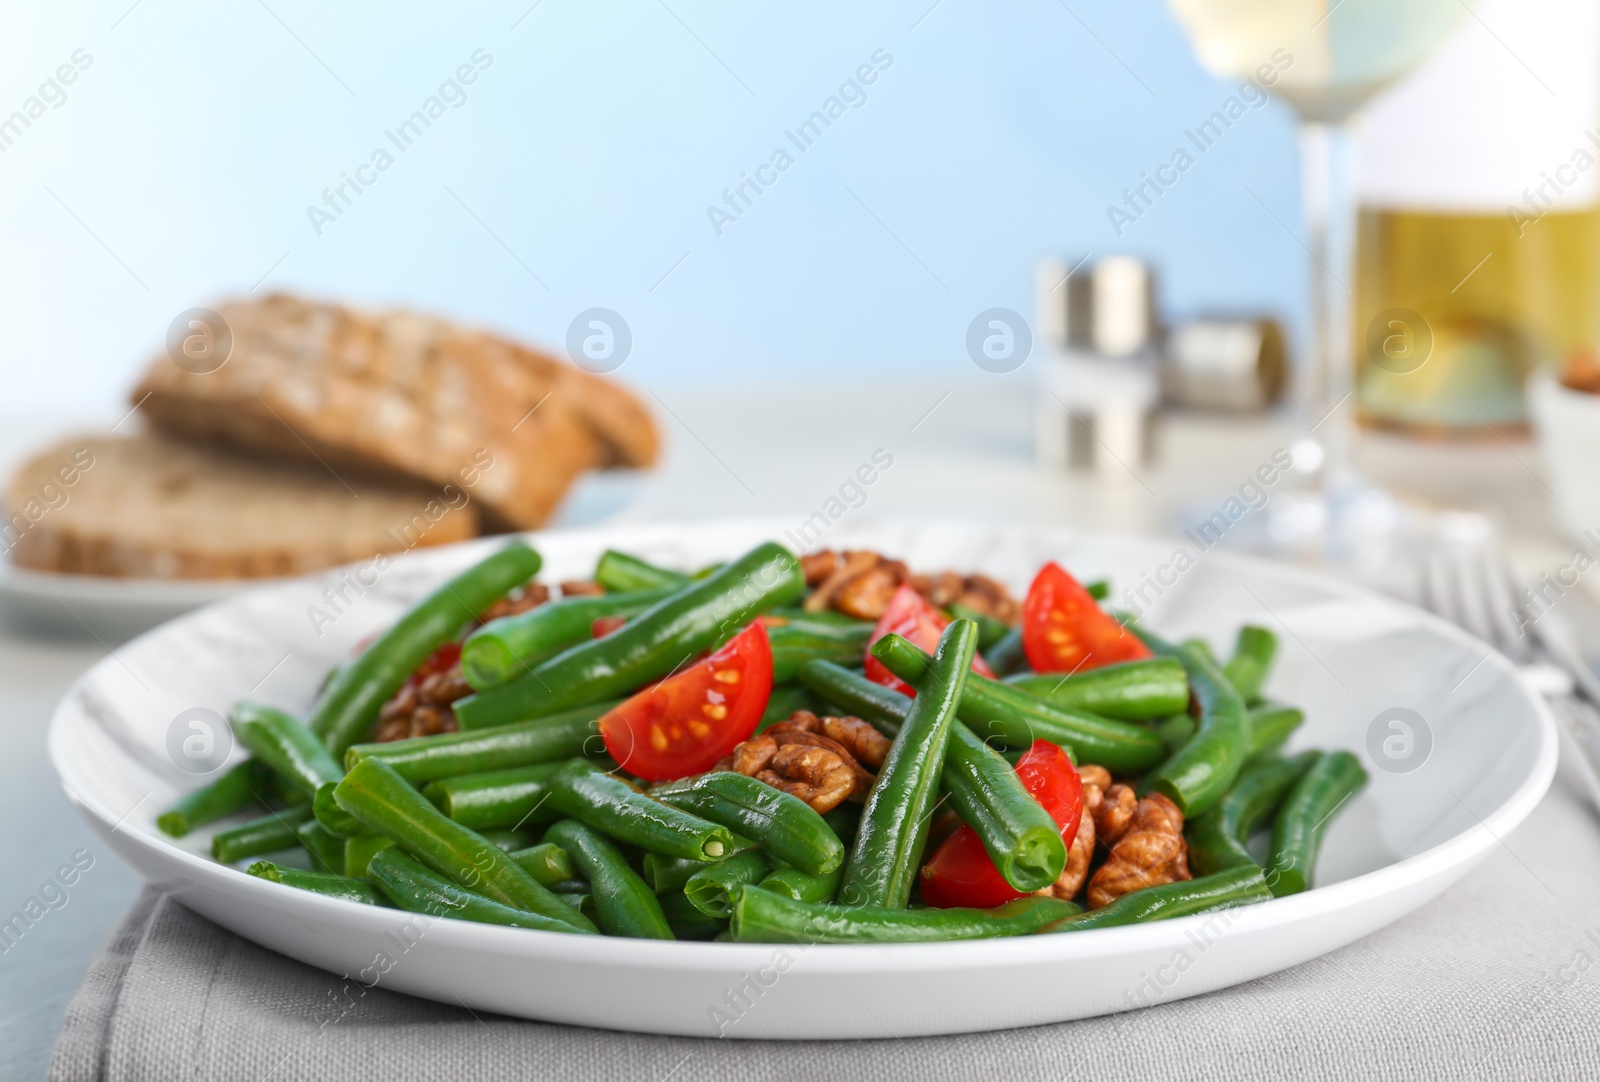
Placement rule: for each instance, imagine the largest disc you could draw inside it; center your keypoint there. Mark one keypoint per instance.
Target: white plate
(1347, 656)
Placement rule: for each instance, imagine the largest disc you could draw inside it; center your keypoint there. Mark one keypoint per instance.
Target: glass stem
(1327, 159)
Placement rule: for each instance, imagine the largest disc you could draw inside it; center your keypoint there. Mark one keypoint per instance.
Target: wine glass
(1326, 60)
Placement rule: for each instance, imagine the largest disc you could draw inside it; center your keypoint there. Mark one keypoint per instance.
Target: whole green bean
(1270, 726)
(325, 883)
(990, 630)
(385, 804)
(624, 904)
(649, 646)
(334, 819)
(1224, 890)
(762, 916)
(284, 745)
(618, 572)
(539, 740)
(712, 889)
(793, 645)
(497, 798)
(802, 886)
(546, 862)
(507, 647)
(350, 704)
(1199, 773)
(1020, 837)
(1006, 657)
(326, 849)
(784, 701)
(894, 824)
(1298, 827)
(272, 833)
(359, 849)
(618, 810)
(1218, 839)
(783, 825)
(995, 710)
(583, 901)
(1252, 659)
(685, 920)
(238, 788)
(1176, 730)
(412, 886)
(1131, 691)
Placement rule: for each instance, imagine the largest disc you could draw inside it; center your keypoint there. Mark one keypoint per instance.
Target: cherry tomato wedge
(688, 721)
(1065, 630)
(961, 873)
(911, 616)
(605, 625)
(443, 659)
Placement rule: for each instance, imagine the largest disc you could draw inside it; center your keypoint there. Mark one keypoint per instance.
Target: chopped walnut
(581, 588)
(422, 709)
(860, 584)
(780, 758)
(802, 728)
(818, 776)
(868, 746)
(1152, 851)
(1071, 880)
(529, 597)
(1112, 810)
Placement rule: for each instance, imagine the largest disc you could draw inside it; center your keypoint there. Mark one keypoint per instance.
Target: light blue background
(183, 161)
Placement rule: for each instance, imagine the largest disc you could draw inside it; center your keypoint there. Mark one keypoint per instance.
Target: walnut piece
(1112, 811)
(818, 776)
(1151, 851)
(868, 746)
(1070, 882)
(860, 583)
(581, 588)
(422, 709)
(783, 758)
(531, 596)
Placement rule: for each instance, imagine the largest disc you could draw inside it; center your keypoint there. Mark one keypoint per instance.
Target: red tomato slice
(684, 724)
(605, 625)
(443, 659)
(911, 616)
(961, 873)
(1065, 630)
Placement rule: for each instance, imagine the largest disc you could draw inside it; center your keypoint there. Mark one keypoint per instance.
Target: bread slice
(400, 394)
(150, 507)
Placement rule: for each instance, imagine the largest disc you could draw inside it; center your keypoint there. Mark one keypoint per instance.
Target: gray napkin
(1499, 978)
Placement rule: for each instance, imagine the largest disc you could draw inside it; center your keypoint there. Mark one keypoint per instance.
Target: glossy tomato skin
(1064, 629)
(688, 721)
(961, 873)
(913, 617)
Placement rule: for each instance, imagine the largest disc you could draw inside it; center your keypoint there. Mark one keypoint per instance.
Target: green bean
(507, 841)
(350, 704)
(1270, 726)
(325, 883)
(712, 889)
(385, 804)
(685, 920)
(1224, 890)
(359, 849)
(497, 798)
(333, 818)
(413, 886)
(583, 901)
(326, 849)
(894, 824)
(1020, 837)
(618, 572)
(783, 825)
(990, 630)
(284, 745)
(272, 833)
(793, 645)
(504, 648)
(539, 740)
(1099, 589)
(1298, 827)
(1197, 776)
(1131, 691)
(648, 647)
(1217, 839)
(615, 808)
(845, 820)
(762, 916)
(1252, 659)
(785, 700)
(1175, 731)
(1005, 657)
(233, 792)
(624, 904)
(995, 710)
(546, 862)
(667, 874)
(802, 886)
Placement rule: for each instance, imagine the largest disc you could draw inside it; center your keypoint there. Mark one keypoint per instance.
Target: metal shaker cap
(1227, 364)
(1108, 308)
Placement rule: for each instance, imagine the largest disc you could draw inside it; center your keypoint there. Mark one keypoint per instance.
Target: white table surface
(963, 451)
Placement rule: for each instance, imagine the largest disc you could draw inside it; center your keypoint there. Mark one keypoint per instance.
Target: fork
(1468, 581)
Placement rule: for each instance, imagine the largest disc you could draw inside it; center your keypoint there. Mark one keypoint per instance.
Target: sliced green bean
(1006, 656)
(359, 849)
(1199, 773)
(1271, 725)
(762, 916)
(1131, 691)
(624, 905)
(685, 920)
(803, 886)
(784, 701)
(284, 745)
(326, 849)
(618, 810)
(1252, 660)
(583, 901)
(272, 833)
(412, 886)
(713, 888)
(795, 644)
(618, 572)
(1224, 890)
(990, 630)
(505, 648)
(237, 789)
(783, 825)
(497, 798)
(539, 740)
(351, 702)
(1218, 839)
(325, 883)
(546, 862)
(883, 863)
(385, 804)
(1298, 828)
(1176, 730)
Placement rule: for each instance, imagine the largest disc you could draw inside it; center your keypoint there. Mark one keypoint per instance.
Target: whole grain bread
(400, 394)
(151, 507)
